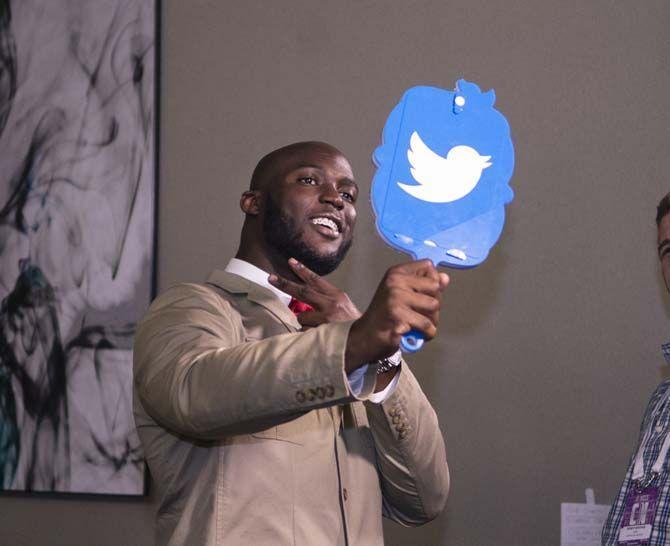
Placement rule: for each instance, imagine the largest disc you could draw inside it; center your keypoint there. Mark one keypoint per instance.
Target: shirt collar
(256, 275)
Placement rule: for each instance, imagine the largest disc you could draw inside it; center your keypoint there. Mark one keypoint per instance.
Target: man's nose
(330, 194)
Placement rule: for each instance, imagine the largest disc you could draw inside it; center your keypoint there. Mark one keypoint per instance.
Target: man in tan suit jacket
(261, 427)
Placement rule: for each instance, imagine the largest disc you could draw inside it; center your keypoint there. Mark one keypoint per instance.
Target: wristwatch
(388, 363)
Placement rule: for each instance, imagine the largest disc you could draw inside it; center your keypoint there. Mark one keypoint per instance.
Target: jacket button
(300, 396)
(345, 494)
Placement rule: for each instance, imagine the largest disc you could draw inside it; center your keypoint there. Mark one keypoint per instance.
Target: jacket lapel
(255, 293)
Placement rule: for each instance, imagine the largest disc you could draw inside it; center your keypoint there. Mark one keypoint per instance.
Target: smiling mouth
(328, 226)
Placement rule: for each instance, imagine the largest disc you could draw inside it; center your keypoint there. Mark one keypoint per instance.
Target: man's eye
(309, 180)
(347, 196)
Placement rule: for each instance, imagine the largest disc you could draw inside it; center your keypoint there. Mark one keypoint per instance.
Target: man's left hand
(329, 302)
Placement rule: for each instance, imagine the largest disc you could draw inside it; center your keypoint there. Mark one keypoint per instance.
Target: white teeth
(326, 222)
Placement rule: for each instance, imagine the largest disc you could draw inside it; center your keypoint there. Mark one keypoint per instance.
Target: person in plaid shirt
(640, 515)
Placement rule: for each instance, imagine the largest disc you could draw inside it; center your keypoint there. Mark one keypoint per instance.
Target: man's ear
(250, 202)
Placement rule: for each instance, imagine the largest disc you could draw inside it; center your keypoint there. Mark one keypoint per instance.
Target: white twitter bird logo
(443, 180)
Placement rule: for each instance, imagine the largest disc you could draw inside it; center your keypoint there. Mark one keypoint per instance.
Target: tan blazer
(253, 437)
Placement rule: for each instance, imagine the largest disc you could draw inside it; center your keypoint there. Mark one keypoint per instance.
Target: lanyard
(638, 467)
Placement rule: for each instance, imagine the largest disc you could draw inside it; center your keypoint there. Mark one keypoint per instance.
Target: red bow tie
(298, 306)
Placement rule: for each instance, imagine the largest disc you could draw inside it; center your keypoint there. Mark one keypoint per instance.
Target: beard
(284, 236)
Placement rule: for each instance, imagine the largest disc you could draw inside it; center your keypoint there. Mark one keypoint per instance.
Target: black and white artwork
(77, 189)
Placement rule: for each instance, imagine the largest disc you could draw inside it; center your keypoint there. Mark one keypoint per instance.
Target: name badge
(638, 517)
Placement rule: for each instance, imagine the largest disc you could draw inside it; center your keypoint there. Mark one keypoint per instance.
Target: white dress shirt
(260, 277)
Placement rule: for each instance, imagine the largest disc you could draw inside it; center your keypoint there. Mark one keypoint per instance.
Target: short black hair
(662, 209)
(267, 166)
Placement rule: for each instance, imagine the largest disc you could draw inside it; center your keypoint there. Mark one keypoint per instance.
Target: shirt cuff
(356, 379)
(381, 396)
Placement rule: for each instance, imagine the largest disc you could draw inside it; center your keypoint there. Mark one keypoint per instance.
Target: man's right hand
(408, 298)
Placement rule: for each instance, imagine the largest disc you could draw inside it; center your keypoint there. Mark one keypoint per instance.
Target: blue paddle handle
(412, 341)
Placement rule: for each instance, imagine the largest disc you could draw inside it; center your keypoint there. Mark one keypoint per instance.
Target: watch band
(388, 363)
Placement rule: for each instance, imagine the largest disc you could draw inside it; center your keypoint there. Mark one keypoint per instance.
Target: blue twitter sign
(443, 172)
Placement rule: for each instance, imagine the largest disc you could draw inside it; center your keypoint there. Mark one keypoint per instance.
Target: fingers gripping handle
(414, 340)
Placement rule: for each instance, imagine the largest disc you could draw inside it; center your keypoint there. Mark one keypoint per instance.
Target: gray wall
(547, 352)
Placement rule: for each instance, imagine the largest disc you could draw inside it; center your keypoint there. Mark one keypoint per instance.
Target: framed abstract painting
(78, 173)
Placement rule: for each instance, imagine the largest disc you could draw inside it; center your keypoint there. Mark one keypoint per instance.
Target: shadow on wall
(474, 303)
